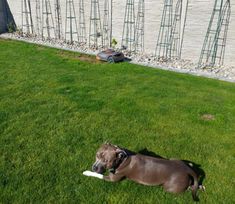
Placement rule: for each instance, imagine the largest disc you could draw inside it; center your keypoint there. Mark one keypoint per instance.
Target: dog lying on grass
(174, 175)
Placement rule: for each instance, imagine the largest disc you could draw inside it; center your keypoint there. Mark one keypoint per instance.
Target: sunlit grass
(57, 107)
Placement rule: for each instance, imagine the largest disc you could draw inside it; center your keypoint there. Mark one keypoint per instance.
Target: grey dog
(174, 175)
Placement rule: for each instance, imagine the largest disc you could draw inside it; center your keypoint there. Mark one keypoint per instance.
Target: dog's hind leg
(177, 183)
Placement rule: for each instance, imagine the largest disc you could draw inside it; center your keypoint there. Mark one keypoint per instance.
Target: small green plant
(114, 42)
(11, 27)
(19, 32)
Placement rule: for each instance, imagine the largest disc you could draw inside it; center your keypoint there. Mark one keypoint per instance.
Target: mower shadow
(127, 59)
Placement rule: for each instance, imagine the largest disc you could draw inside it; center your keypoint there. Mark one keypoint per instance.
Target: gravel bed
(225, 73)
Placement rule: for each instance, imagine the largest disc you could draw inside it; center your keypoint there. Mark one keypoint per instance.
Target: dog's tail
(195, 186)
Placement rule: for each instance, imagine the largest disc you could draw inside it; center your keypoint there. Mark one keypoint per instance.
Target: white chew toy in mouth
(93, 174)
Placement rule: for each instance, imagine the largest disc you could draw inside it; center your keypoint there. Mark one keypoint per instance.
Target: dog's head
(108, 157)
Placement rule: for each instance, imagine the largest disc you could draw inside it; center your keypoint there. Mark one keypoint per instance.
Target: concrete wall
(198, 17)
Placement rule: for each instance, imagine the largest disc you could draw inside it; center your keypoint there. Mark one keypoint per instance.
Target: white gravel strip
(224, 73)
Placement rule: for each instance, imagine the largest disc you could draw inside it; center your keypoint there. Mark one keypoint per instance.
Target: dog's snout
(94, 168)
(98, 167)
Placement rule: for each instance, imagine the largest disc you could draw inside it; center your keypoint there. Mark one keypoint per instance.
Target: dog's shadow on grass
(198, 170)
(196, 167)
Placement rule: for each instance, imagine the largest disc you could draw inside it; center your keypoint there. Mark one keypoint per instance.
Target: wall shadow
(7, 22)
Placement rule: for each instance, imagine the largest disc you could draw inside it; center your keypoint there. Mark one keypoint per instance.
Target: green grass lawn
(58, 107)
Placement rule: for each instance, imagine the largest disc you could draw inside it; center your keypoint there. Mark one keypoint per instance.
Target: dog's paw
(93, 174)
(201, 187)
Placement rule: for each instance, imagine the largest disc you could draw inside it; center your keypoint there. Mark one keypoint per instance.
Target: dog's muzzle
(98, 167)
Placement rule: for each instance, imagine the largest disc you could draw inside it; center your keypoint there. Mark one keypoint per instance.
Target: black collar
(120, 161)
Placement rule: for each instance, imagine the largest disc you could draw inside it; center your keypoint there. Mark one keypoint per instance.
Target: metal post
(71, 28)
(38, 17)
(173, 50)
(27, 16)
(58, 19)
(95, 33)
(128, 34)
(163, 41)
(139, 29)
(47, 19)
(111, 23)
(213, 50)
(82, 25)
(106, 24)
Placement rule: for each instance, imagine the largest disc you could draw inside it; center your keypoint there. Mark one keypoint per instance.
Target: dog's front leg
(113, 177)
